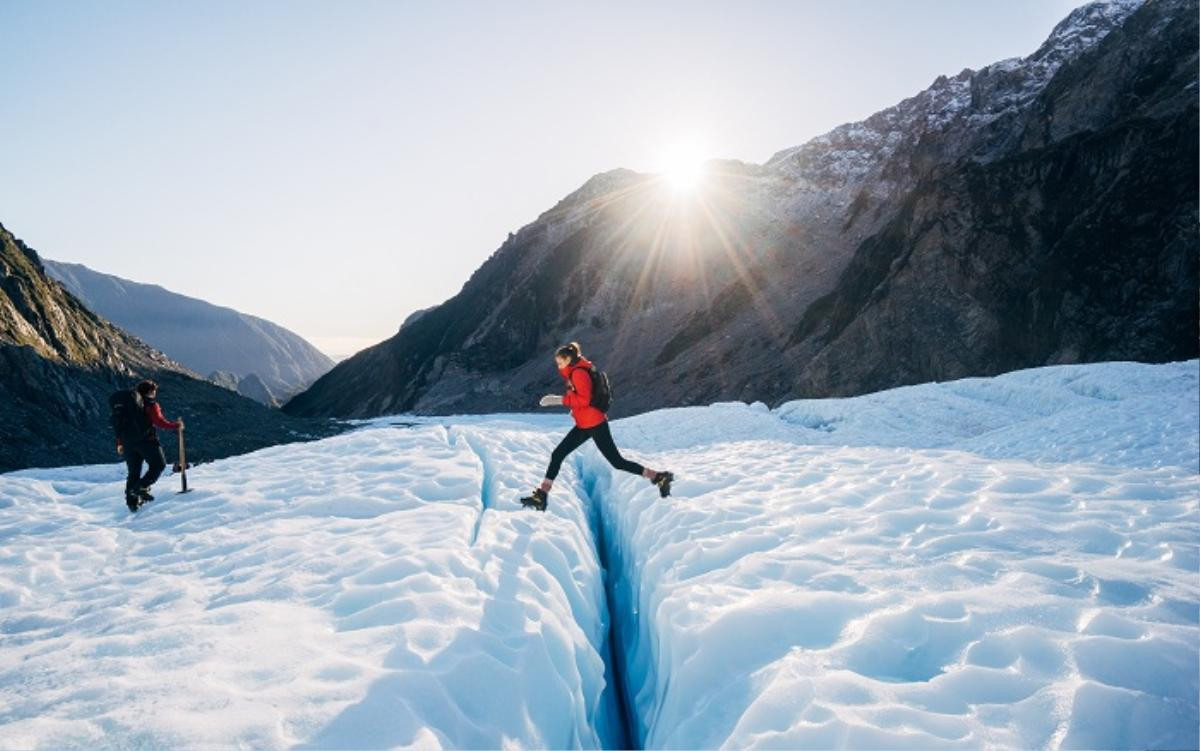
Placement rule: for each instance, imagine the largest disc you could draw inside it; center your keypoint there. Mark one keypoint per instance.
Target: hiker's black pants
(577, 436)
(152, 454)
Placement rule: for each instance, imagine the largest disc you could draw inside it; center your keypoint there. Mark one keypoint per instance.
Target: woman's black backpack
(601, 390)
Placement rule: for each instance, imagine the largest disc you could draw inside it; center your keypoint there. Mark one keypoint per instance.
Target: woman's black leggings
(577, 436)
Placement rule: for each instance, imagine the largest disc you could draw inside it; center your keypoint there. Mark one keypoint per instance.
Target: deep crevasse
(500, 456)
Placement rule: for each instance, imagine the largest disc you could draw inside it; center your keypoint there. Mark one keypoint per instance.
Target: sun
(682, 167)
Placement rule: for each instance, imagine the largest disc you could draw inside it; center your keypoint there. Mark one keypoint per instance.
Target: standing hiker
(590, 422)
(136, 415)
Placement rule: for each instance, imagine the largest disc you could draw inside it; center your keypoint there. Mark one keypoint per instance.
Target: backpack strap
(571, 374)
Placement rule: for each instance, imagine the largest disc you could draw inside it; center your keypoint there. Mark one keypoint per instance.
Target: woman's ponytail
(570, 351)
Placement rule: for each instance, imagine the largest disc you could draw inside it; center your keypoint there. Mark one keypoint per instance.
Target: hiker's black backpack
(127, 415)
(601, 390)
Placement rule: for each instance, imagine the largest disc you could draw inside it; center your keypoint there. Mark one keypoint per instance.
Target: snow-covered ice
(356, 592)
(1003, 562)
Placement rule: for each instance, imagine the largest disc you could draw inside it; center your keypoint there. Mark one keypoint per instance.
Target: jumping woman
(590, 422)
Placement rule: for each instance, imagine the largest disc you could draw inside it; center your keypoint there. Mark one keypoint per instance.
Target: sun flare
(682, 167)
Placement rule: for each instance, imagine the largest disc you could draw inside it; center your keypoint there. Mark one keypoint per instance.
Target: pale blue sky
(335, 166)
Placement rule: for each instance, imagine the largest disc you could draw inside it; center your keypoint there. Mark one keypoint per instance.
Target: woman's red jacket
(579, 394)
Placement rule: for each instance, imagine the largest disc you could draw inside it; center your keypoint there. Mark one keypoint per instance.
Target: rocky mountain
(224, 379)
(59, 361)
(202, 336)
(1040, 210)
(251, 386)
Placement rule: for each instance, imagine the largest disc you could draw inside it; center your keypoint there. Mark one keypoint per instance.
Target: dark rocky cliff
(1079, 246)
(59, 362)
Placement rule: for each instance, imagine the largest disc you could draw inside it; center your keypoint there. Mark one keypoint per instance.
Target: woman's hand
(551, 400)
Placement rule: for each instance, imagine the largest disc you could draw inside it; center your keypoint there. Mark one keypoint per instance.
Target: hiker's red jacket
(154, 412)
(579, 394)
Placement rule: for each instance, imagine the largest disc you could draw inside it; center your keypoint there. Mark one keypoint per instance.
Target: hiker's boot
(133, 501)
(663, 481)
(144, 494)
(535, 500)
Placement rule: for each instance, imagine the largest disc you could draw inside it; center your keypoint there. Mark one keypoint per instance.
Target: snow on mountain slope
(982, 563)
(851, 153)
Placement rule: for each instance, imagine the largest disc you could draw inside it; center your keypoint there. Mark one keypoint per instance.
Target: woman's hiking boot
(535, 500)
(663, 481)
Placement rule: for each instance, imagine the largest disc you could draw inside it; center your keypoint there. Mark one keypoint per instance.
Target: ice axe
(182, 466)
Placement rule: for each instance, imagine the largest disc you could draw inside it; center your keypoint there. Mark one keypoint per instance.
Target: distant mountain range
(270, 363)
(59, 361)
(1040, 210)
